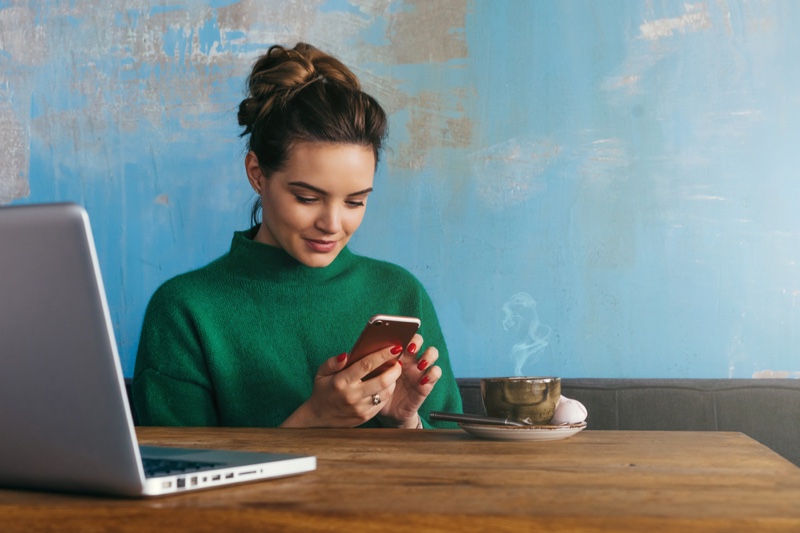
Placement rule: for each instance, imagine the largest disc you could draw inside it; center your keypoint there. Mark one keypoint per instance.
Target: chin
(318, 263)
(318, 260)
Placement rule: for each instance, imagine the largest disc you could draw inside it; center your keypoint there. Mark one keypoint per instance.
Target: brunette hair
(305, 95)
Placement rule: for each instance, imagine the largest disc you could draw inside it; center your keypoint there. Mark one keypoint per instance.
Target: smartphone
(383, 331)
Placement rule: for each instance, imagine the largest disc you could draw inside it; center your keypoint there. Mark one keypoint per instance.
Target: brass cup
(531, 400)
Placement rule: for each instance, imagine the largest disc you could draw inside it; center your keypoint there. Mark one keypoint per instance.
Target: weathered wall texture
(587, 188)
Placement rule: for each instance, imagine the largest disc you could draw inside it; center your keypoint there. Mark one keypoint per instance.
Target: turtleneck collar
(263, 262)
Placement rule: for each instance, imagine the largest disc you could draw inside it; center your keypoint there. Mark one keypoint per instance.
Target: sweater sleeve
(171, 386)
(445, 396)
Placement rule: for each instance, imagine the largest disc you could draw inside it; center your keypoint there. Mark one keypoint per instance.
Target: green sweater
(239, 341)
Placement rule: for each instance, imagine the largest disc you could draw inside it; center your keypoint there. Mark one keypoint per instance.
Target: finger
(383, 382)
(378, 398)
(358, 397)
(333, 365)
(428, 358)
(409, 357)
(414, 346)
(367, 365)
(429, 379)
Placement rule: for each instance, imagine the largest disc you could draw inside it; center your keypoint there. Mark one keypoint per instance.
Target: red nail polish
(412, 348)
(397, 350)
(424, 380)
(422, 364)
(399, 362)
(341, 357)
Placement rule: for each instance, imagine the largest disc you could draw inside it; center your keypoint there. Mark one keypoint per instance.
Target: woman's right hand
(340, 398)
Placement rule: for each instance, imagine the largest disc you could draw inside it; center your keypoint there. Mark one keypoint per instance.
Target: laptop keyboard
(171, 467)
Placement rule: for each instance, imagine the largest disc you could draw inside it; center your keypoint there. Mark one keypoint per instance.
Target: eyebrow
(317, 190)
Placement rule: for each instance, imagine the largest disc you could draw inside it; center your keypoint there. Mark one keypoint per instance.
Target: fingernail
(412, 348)
(422, 364)
(399, 362)
(397, 350)
(341, 357)
(424, 380)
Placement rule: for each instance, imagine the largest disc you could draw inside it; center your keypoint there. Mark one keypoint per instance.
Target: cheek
(289, 216)
(353, 220)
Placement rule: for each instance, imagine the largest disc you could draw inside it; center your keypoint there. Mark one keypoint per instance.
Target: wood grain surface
(413, 480)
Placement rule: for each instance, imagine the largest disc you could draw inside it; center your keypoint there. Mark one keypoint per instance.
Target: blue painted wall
(593, 189)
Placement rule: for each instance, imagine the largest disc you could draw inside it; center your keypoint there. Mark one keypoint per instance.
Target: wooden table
(412, 480)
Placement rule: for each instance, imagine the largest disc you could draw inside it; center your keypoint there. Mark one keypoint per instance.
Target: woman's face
(313, 206)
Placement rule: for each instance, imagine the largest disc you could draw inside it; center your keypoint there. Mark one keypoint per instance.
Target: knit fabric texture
(239, 341)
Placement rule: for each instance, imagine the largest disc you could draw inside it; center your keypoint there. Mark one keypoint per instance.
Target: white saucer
(531, 433)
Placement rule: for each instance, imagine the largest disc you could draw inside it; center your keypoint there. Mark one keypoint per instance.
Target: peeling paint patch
(605, 158)
(133, 67)
(629, 82)
(428, 32)
(435, 120)
(13, 155)
(646, 53)
(511, 172)
(775, 374)
(21, 37)
(696, 19)
(708, 197)
(754, 113)
(418, 33)
(162, 199)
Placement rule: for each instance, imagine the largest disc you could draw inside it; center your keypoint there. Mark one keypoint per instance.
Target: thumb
(333, 365)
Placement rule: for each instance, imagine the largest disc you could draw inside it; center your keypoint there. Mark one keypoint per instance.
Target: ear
(254, 174)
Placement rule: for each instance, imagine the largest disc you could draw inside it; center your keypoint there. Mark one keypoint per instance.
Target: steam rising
(521, 318)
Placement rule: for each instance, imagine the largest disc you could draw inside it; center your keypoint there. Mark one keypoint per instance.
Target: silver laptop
(65, 422)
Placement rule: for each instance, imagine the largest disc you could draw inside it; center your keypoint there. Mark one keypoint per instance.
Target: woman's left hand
(414, 385)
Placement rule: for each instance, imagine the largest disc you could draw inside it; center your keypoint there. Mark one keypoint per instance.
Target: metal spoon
(476, 419)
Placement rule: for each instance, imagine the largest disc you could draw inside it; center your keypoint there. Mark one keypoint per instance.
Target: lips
(320, 246)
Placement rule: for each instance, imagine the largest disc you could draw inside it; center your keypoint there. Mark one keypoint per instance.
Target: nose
(329, 220)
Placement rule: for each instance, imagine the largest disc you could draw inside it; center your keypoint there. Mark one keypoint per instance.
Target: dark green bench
(768, 410)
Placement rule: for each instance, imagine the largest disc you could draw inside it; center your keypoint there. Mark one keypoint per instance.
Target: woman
(251, 338)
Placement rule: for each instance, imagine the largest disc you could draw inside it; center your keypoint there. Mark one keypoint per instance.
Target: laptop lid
(64, 415)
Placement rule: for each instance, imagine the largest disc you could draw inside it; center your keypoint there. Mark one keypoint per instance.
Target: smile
(321, 246)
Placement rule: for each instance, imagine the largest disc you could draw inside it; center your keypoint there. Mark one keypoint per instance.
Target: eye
(305, 199)
(354, 203)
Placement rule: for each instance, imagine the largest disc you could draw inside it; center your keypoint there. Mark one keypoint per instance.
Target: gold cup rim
(523, 378)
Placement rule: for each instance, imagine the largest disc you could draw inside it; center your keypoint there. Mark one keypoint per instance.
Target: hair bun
(281, 73)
